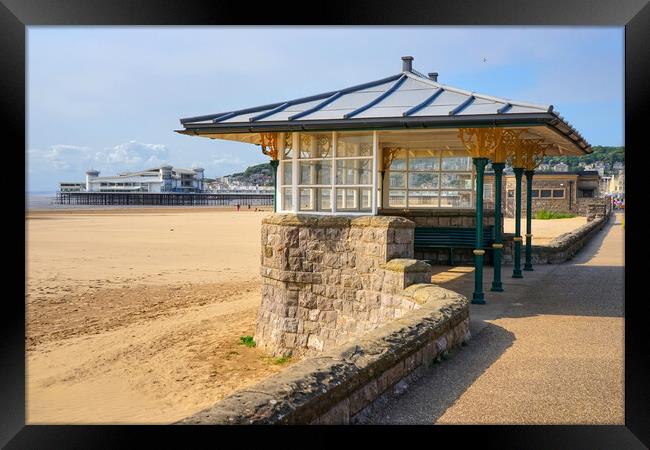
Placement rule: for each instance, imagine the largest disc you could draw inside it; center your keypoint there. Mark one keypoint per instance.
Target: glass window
(455, 199)
(287, 204)
(366, 199)
(346, 199)
(423, 198)
(324, 199)
(457, 181)
(534, 193)
(353, 145)
(457, 163)
(397, 179)
(558, 193)
(287, 174)
(353, 171)
(433, 179)
(545, 193)
(306, 196)
(318, 169)
(399, 163)
(397, 198)
(315, 172)
(315, 145)
(423, 180)
(423, 160)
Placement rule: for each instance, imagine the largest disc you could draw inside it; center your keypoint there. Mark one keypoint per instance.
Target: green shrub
(281, 360)
(247, 341)
(545, 215)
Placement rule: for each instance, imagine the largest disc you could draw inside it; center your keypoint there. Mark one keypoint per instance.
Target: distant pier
(163, 198)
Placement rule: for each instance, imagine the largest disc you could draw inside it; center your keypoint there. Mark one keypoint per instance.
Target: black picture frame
(634, 15)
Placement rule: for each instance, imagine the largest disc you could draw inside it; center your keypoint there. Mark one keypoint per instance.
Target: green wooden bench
(451, 238)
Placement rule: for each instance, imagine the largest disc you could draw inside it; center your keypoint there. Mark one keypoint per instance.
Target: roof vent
(407, 63)
(433, 76)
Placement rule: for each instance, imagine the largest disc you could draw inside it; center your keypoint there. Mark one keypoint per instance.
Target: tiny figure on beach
(237, 206)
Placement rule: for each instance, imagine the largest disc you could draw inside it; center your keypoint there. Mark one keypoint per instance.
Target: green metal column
(528, 265)
(478, 296)
(274, 164)
(516, 272)
(498, 224)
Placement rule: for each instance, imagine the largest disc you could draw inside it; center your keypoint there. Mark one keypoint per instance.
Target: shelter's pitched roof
(405, 100)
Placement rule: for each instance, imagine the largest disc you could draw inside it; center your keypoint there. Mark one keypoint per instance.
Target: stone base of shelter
(329, 278)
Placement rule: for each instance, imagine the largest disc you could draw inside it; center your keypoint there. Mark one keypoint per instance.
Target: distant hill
(608, 155)
(260, 174)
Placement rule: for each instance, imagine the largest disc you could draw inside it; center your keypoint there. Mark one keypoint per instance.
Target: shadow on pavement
(428, 398)
(578, 287)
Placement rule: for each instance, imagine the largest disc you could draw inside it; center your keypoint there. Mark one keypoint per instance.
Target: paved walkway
(548, 350)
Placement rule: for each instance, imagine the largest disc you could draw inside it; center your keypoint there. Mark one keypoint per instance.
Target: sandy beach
(134, 315)
(544, 231)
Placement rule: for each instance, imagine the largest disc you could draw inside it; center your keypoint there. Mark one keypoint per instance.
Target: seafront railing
(163, 199)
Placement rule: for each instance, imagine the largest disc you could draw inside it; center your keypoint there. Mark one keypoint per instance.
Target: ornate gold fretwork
(528, 153)
(305, 142)
(288, 144)
(389, 156)
(508, 147)
(324, 145)
(482, 142)
(268, 142)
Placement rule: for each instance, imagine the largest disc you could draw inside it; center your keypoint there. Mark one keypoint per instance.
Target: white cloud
(64, 162)
(60, 157)
(132, 154)
(129, 155)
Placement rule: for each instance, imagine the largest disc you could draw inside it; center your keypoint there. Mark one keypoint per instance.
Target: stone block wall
(329, 278)
(593, 208)
(560, 249)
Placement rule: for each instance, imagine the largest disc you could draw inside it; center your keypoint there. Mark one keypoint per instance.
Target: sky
(110, 98)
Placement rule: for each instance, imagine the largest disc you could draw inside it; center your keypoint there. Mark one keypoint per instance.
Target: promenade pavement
(548, 350)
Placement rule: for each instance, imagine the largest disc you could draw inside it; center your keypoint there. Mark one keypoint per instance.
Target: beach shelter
(401, 145)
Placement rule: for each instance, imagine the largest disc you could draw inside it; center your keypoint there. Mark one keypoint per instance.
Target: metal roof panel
(402, 103)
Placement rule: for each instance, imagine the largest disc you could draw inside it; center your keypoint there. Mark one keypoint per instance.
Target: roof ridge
(478, 94)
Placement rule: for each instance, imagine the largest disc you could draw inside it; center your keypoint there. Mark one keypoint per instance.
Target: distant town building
(230, 183)
(617, 183)
(561, 167)
(598, 166)
(158, 179)
(604, 183)
(556, 191)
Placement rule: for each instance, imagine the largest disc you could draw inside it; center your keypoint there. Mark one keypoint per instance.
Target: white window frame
(439, 172)
(333, 157)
